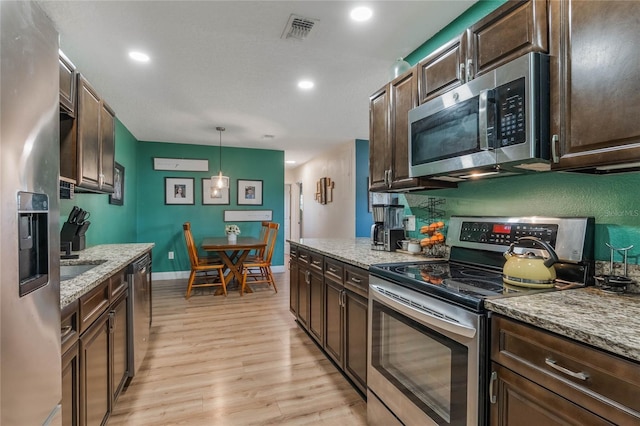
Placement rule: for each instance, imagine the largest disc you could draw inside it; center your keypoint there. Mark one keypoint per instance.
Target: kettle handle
(553, 257)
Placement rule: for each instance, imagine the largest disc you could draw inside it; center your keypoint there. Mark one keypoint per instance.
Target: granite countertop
(589, 315)
(109, 258)
(355, 251)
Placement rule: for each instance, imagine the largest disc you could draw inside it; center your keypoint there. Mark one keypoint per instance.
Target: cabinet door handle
(65, 331)
(554, 364)
(469, 69)
(462, 73)
(555, 140)
(332, 269)
(303, 256)
(316, 262)
(494, 378)
(356, 280)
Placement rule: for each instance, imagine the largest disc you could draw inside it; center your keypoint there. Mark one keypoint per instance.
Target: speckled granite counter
(588, 315)
(354, 251)
(110, 258)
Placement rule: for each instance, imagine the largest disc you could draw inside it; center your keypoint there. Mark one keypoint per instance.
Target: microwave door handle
(485, 101)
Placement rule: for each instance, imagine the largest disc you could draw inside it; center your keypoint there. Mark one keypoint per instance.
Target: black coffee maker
(387, 230)
(74, 229)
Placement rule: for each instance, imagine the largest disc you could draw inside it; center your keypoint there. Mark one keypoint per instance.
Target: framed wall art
(249, 192)
(117, 197)
(210, 197)
(178, 190)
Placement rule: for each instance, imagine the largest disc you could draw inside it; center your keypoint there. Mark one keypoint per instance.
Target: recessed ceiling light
(139, 56)
(305, 84)
(290, 162)
(361, 14)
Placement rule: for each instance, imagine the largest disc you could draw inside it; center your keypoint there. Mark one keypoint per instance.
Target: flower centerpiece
(232, 232)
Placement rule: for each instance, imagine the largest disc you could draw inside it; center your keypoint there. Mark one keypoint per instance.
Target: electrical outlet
(410, 224)
(170, 255)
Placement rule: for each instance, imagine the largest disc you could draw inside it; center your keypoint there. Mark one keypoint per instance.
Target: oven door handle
(425, 316)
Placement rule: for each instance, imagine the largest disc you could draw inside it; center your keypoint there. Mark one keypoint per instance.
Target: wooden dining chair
(257, 255)
(258, 270)
(202, 267)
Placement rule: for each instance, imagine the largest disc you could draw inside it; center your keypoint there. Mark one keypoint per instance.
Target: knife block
(78, 243)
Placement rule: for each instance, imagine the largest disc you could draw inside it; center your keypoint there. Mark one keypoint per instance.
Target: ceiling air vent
(298, 27)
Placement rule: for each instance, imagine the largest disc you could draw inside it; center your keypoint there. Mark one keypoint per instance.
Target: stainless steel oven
(428, 328)
(424, 357)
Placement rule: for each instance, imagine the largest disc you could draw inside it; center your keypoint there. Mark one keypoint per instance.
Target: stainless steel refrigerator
(30, 369)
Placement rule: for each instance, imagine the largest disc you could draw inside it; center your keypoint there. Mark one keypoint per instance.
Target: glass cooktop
(462, 284)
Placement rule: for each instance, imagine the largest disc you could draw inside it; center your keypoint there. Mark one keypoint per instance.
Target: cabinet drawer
(93, 304)
(118, 284)
(334, 270)
(357, 280)
(316, 262)
(303, 255)
(69, 327)
(293, 251)
(604, 384)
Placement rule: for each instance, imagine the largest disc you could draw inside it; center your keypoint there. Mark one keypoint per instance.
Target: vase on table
(232, 238)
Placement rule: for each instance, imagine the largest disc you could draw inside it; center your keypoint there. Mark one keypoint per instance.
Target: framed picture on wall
(209, 196)
(117, 197)
(178, 190)
(250, 192)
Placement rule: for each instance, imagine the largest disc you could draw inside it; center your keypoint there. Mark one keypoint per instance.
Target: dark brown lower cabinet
(334, 320)
(294, 282)
(332, 305)
(316, 306)
(120, 345)
(524, 403)
(71, 386)
(95, 395)
(303, 296)
(542, 378)
(355, 354)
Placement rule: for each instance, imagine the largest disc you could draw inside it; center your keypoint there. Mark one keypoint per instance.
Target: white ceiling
(224, 63)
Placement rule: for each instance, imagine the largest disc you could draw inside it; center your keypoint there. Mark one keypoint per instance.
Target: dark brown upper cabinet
(87, 143)
(512, 30)
(389, 137)
(67, 86)
(595, 85)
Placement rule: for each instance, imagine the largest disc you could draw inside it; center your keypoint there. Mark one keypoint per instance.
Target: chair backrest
(191, 247)
(271, 240)
(264, 235)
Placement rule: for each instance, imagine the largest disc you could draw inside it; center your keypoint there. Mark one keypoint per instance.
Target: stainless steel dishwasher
(139, 278)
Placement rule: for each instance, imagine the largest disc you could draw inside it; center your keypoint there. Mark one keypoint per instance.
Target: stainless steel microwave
(496, 124)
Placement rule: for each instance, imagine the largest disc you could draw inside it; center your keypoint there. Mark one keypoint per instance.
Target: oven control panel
(503, 234)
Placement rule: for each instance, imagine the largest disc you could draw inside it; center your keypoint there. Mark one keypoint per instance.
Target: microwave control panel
(503, 234)
(510, 105)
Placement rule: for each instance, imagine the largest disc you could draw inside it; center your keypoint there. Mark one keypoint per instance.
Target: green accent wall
(613, 200)
(162, 224)
(111, 224)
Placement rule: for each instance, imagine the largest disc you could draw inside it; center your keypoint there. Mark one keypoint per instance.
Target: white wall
(331, 220)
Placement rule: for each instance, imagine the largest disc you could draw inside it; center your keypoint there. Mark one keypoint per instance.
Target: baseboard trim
(183, 275)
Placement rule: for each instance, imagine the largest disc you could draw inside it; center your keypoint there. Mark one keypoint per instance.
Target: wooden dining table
(233, 254)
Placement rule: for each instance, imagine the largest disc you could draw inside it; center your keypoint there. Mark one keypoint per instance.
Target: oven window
(427, 367)
(449, 133)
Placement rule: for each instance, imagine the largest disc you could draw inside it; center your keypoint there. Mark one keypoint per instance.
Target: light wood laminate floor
(234, 361)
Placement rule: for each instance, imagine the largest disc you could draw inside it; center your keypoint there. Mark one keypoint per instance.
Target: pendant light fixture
(219, 182)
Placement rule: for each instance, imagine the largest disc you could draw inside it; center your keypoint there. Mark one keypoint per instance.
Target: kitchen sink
(68, 272)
